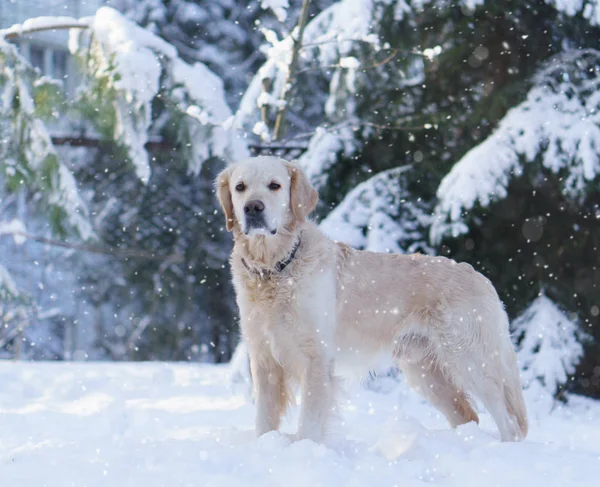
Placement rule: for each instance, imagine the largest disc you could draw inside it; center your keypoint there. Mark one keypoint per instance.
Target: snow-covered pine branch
(13, 307)
(336, 44)
(589, 10)
(279, 8)
(338, 36)
(327, 38)
(8, 287)
(558, 125)
(380, 215)
(324, 148)
(130, 71)
(549, 345)
(134, 67)
(28, 155)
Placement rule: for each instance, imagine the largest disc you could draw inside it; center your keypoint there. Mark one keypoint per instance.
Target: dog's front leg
(271, 392)
(317, 399)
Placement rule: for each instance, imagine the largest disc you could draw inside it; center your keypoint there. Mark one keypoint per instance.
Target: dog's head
(265, 194)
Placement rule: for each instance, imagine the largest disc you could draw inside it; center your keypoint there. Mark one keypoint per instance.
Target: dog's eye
(240, 187)
(274, 186)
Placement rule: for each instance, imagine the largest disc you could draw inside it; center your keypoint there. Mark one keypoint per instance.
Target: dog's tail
(513, 393)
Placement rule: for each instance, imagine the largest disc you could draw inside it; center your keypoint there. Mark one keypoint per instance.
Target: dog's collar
(279, 267)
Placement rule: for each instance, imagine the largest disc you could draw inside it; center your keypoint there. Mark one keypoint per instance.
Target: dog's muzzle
(255, 217)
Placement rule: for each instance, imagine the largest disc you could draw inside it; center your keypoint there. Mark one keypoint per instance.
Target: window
(37, 57)
(59, 62)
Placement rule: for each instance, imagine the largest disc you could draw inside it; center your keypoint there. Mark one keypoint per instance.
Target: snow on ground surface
(154, 424)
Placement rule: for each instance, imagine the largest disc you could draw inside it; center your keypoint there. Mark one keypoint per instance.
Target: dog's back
(444, 324)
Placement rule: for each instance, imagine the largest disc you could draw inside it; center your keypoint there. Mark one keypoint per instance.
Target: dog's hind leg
(501, 395)
(427, 378)
(488, 369)
(493, 398)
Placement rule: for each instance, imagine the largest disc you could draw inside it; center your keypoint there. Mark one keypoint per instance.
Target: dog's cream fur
(333, 306)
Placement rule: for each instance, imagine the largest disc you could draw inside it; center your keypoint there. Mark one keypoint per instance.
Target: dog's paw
(274, 439)
(293, 437)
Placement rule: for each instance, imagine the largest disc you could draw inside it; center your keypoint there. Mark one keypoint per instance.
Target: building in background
(48, 51)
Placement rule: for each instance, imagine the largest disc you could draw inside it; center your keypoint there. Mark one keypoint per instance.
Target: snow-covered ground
(153, 424)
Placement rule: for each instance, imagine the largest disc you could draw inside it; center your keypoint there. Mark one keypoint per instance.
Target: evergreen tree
(426, 84)
(378, 215)
(484, 114)
(549, 345)
(226, 36)
(135, 88)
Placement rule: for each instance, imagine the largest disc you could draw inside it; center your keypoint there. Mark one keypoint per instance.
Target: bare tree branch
(155, 144)
(364, 41)
(19, 30)
(264, 109)
(360, 68)
(289, 81)
(119, 253)
(398, 127)
(355, 124)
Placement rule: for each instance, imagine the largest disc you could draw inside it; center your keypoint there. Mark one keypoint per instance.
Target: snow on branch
(558, 124)
(333, 31)
(8, 287)
(28, 156)
(15, 228)
(590, 9)
(334, 44)
(131, 69)
(279, 8)
(137, 67)
(550, 345)
(380, 215)
(40, 24)
(323, 150)
(273, 72)
(344, 20)
(335, 34)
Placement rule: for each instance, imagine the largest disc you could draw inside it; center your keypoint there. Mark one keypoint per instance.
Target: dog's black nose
(254, 208)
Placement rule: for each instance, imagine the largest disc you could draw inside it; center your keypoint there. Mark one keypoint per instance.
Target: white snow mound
(150, 424)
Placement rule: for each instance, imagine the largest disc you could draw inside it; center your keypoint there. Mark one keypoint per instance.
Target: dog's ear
(303, 197)
(224, 195)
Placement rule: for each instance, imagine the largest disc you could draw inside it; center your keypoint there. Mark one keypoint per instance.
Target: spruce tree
(549, 345)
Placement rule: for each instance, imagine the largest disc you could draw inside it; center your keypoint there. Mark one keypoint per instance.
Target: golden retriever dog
(310, 306)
